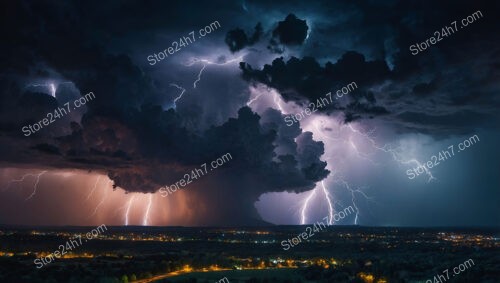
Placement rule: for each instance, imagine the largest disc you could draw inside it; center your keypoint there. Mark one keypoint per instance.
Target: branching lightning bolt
(35, 187)
(387, 148)
(328, 199)
(205, 63)
(353, 198)
(17, 181)
(353, 192)
(183, 90)
(394, 153)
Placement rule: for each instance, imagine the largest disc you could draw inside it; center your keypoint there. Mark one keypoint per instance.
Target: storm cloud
(149, 125)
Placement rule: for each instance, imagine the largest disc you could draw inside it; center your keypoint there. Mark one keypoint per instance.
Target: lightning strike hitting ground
(353, 198)
(346, 139)
(145, 219)
(329, 201)
(35, 187)
(128, 209)
(304, 207)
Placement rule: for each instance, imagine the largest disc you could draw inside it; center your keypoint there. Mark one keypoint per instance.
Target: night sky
(231, 91)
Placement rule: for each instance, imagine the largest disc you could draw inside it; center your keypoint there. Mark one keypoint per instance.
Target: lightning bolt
(360, 154)
(353, 198)
(329, 201)
(348, 141)
(95, 186)
(206, 62)
(101, 202)
(304, 207)
(199, 75)
(128, 210)
(276, 100)
(52, 87)
(253, 99)
(53, 90)
(145, 219)
(394, 152)
(17, 181)
(353, 192)
(35, 187)
(387, 148)
(395, 156)
(183, 90)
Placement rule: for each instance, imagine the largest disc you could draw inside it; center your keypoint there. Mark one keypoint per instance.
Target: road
(177, 273)
(172, 274)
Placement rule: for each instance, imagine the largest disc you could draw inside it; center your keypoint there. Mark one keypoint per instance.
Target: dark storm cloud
(237, 39)
(246, 135)
(124, 132)
(424, 89)
(440, 79)
(446, 123)
(305, 79)
(449, 89)
(256, 168)
(291, 31)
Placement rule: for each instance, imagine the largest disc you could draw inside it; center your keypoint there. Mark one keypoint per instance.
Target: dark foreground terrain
(177, 254)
